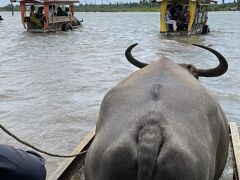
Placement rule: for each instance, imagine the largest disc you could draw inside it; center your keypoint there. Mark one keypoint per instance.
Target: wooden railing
(59, 19)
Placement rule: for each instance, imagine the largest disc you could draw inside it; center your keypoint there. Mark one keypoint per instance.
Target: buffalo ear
(191, 69)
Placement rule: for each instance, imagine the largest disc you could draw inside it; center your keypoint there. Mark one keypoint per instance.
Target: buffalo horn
(131, 59)
(217, 71)
(214, 72)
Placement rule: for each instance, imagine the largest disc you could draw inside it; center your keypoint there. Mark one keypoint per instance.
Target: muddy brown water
(51, 85)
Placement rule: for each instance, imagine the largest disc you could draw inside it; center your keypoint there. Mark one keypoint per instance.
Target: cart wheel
(66, 27)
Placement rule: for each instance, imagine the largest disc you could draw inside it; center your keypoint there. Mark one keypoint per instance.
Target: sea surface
(52, 84)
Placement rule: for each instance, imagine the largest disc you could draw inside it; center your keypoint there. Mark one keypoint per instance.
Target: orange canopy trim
(50, 1)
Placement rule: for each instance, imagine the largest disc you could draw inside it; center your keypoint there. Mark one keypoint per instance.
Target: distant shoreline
(134, 7)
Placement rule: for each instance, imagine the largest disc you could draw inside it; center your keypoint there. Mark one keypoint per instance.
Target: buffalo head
(214, 72)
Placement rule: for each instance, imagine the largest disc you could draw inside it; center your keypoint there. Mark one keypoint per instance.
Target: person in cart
(37, 18)
(17, 164)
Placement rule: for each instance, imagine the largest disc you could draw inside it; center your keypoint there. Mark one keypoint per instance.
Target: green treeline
(224, 7)
(142, 6)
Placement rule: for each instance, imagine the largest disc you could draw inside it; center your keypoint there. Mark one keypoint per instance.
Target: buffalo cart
(49, 20)
(190, 16)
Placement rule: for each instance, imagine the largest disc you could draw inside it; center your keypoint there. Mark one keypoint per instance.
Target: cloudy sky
(5, 2)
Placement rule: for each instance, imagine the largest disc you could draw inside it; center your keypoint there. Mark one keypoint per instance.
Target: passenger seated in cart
(175, 10)
(34, 17)
(32, 11)
(52, 11)
(171, 23)
(68, 13)
(183, 19)
(186, 17)
(40, 16)
(39, 13)
(16, 164)
(60, 12)
(199, 8)
(199, 13)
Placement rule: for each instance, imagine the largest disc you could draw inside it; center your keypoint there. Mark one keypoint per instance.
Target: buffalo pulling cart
(84, 159)
(207, 134)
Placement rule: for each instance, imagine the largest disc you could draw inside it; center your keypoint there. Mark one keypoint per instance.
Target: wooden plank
(58, 19)
(60, 170)
(235, 141)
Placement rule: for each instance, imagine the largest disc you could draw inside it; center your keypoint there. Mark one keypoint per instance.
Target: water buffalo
(160, 124)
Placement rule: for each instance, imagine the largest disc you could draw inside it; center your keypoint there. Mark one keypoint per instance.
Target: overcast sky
(5, 2)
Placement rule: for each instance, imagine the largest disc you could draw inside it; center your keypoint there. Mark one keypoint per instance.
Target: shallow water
(51, 85)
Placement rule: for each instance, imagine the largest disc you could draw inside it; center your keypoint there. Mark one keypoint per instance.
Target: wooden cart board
(72, 168)
(235, 143)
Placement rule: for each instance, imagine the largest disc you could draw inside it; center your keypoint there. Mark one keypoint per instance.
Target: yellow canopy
(163, 9)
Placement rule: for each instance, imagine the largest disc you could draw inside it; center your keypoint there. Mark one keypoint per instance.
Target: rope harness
(37, 149)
